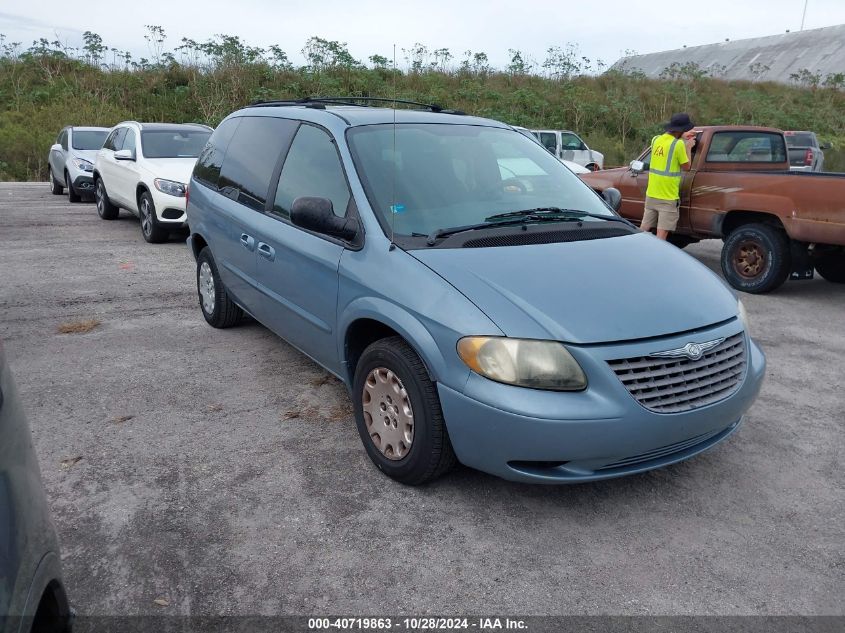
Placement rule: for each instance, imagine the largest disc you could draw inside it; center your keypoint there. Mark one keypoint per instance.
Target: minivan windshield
(424, 177)
(88, 139)
(173, 143)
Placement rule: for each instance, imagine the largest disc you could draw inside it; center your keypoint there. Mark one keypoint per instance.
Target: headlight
(743, 315)
(170, 187)
(523, 362)
(82, 164)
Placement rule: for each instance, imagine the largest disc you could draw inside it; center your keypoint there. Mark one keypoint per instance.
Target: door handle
(247, 242)
(266, 251)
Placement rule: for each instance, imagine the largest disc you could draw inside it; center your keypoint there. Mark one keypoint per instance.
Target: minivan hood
(177, 169)
(595, 291)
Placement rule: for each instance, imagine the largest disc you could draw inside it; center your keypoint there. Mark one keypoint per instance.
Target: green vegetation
(48, 86)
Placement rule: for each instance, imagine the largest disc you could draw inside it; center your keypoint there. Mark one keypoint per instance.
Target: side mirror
(637, 165)
(612, 197)
(317, 214)
(56, 147)
(124, 154)
(825, 145)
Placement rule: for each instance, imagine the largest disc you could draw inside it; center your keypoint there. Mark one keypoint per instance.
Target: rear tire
(72, 195)
(398, 414)
(105, 209)
(831, 266)
(56, 187)
(755, 258)
(152, 231)
(217, 308)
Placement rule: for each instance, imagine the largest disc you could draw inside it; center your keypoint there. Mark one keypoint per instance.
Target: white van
(567, 145)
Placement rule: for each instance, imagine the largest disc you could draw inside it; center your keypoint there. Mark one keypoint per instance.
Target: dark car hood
(595, 291)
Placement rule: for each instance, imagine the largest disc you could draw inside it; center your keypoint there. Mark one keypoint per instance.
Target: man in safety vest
(670, 154)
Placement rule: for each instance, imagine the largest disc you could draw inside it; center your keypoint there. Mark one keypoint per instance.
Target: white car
(144, 168)
(567, 145)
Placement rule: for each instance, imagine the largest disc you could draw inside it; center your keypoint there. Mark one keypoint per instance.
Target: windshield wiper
(557, 213)
(495, 221)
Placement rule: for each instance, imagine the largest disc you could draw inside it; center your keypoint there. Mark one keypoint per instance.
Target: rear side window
(251, 159)
(207, 170)
(549, 141)
(312, 168)
(746, 147)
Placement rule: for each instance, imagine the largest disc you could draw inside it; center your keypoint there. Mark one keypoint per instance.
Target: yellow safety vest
(664, 172)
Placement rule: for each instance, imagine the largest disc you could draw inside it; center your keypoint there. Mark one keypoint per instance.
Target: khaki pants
(663, 213)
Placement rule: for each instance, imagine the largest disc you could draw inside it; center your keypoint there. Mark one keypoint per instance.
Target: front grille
(675, 385)
(524, 238)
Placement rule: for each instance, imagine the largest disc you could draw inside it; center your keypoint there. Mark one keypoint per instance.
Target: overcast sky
(603, 29)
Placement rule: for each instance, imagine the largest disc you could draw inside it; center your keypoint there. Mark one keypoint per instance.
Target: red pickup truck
(775, 223)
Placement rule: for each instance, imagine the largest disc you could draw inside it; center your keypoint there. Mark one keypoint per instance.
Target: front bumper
(84, 184)
(170, 210)
(602, 432)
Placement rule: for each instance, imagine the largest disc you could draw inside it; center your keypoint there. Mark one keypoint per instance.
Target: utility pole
(804, 15)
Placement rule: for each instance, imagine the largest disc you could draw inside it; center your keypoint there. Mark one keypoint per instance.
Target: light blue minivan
(479, 301)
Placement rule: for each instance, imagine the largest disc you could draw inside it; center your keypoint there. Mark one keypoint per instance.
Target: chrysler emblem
(693, 351)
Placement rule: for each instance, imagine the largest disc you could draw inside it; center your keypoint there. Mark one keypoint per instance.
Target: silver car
(71, 160)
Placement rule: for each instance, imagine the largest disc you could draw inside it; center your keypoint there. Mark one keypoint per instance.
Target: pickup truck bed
(776, 223)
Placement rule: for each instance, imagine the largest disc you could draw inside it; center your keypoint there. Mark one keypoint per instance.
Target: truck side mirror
(638, 166)
(825, 145)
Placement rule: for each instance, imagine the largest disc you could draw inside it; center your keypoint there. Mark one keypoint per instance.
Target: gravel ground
(221, 472)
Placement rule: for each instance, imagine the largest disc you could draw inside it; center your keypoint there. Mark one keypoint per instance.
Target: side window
(251, 159)
(549, 142)
(571, 141)
(207, 170)
(312, 168)
(109, 142)
(746, 147)
(129, 140)
(63, 139)
(116, 139)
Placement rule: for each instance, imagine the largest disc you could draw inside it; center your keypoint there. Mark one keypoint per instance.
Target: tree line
(48, 85)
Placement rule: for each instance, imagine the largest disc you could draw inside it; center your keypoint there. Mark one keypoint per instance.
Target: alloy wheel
(99, 195)
(388, 414)
(146, 217)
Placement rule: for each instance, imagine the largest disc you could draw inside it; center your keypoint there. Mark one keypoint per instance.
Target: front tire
(755, 258)
(105, 209)
(56, 187)
(72, 195)
(152, 231)
(398, 414)
(831, 266)
(217, 308)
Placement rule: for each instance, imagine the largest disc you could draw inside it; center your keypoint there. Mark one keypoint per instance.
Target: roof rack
(321, 102)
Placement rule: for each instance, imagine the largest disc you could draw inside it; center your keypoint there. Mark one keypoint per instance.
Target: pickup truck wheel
(72, 194)
(398, 414)
(152, 231)
(755, 258)
(105, 209)
(56, 187)
(217, 308)
(831, 266)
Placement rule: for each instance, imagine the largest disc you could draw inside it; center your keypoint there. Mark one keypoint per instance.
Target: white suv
(144, 168)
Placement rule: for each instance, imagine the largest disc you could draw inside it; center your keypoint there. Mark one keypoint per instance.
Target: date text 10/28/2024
(416, 624)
